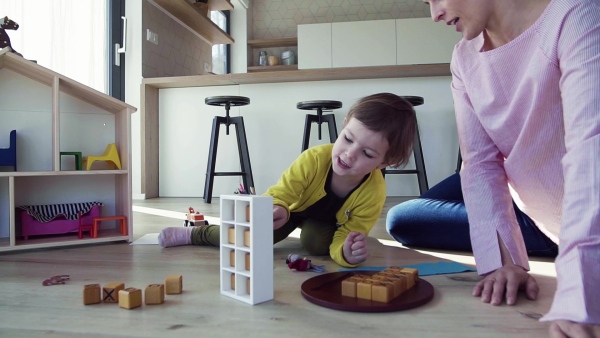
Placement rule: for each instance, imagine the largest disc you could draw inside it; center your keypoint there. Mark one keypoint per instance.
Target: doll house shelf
(55, 114)
(246, 256)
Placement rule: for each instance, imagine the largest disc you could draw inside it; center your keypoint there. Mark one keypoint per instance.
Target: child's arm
(355, 249)
(280, 216)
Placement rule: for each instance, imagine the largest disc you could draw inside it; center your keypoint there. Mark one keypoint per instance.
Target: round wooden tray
(326, 290)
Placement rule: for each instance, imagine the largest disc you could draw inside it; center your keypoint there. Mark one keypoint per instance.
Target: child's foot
(175, 236)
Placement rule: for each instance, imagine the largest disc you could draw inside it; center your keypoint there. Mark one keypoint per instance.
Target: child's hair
(392, 116)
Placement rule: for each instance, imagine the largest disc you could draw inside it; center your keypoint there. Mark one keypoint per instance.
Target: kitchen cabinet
(53, 113)
(363, 43)
(314, 46)
(417, 41)
(422, 41)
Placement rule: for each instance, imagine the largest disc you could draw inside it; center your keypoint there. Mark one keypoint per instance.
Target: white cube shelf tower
(247, 247)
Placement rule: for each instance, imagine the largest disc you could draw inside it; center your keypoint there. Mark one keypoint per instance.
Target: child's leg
(316, 236)
(208, 235)
(175, 236)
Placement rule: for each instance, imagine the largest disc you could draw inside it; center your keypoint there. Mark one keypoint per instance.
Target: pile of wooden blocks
(130, 298)
(382, 286)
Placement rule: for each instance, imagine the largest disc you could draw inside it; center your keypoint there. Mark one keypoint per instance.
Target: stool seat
(319, 104)
(319, 118)
(233, 101)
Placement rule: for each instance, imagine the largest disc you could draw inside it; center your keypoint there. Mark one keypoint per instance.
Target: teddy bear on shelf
(6, 23)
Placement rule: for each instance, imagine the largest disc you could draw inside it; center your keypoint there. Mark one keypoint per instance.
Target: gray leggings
(316, 235)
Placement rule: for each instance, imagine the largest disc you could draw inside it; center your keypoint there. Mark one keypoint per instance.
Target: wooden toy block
(91, 294)
(110, 292)
(349, 288)
(248, 213)
(382, 292)
(247, 237)
(232, 258)
(413, 272)
(232, 282)
(248, 285)
(247, 256)
(154, 294)
(174, 284)
(363, 289)
(130, 298)
(231, 235)
(410, 282)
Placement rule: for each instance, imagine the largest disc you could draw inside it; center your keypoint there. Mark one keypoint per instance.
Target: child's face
(358, 150)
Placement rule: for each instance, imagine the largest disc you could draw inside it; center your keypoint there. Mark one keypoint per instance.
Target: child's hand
(279, 216)
(355, 248)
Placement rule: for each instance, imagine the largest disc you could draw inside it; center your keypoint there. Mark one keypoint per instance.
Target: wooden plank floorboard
(28, 309)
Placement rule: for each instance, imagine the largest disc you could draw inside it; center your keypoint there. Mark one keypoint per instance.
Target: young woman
(526, 90)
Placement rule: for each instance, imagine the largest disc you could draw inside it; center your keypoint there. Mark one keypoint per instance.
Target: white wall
(274, 128)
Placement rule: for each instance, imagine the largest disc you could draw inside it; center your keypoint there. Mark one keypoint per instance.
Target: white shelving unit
(53, 113)
(247, 248)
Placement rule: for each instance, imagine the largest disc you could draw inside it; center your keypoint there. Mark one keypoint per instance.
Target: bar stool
(417, 152)
(320, 106)
(238, 122)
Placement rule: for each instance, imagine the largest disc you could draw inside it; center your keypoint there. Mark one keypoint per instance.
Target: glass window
(220, 53)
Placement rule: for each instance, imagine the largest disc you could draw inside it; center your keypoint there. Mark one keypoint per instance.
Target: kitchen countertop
(326, 74)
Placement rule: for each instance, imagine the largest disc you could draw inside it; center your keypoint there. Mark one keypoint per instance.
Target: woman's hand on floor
(355, 248)
(505, 283)
(568, 329)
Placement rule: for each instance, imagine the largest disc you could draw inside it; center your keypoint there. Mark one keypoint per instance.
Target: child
(334, 192)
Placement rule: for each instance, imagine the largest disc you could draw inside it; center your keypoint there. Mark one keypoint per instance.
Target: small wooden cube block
(363, 289)
(349, 288)
(110, 292)
(231, 235)
(154, 294)
(404, 281)
(130, 298)
(247, 261)
(248, 285)
(91, 294)
(410, 282)
(247, 237)
(232, 258)
(413, 272)
(174, 284)
(232, 281)
(248, 213)
(382, 292)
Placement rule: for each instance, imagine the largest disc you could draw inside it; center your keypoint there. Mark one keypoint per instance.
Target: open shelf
(255, 69)
(270, 43)
(220, 5)
(188, 15)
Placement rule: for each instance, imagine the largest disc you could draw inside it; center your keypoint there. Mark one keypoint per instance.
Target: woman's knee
(316, 237)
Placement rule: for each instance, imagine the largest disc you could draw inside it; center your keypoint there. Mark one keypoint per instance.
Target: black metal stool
(238, 122)
(320, 106)
(417, 152)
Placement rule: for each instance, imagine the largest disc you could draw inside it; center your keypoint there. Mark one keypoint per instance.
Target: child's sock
(175, 236)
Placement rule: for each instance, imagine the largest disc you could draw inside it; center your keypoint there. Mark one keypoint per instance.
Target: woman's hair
(394, 118)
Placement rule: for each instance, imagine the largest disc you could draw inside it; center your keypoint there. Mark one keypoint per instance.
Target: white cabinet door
(364, 43)
(314, 46)
(422, 41)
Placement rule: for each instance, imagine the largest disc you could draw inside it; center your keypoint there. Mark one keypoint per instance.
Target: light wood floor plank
(28, 309)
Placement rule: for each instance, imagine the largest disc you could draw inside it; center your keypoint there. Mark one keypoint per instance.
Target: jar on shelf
(288, 58)
(262, 58)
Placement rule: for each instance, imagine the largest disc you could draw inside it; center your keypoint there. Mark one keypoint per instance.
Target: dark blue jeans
(438, 220)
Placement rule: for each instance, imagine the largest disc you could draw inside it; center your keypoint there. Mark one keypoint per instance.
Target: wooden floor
(28, 309)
